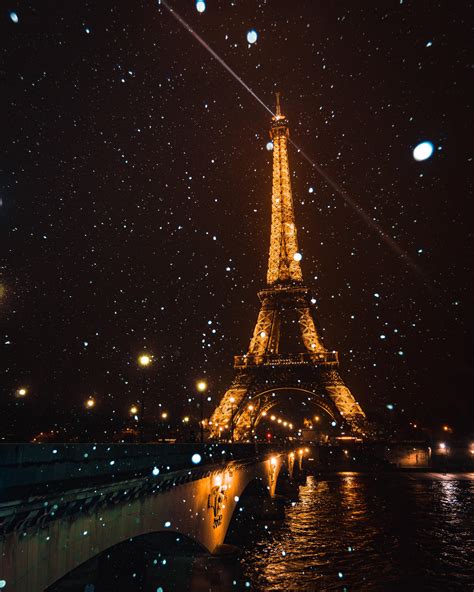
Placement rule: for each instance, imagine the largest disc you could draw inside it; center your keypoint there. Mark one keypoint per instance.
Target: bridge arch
(130, 563)
(199, 507)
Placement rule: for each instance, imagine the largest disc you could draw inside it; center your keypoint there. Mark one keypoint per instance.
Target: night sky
(135, 189)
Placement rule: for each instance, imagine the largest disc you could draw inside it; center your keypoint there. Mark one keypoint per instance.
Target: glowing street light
(201, 386)
(144, 360)
(90, 403)
(232, 401)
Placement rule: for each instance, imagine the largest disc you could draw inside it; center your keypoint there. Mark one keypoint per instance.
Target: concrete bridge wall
(61, 524)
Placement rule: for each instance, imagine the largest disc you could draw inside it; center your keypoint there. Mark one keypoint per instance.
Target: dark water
(353, 531)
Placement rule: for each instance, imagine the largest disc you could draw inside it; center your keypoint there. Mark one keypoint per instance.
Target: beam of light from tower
(214, 54)
(342, 192)
(360, 210)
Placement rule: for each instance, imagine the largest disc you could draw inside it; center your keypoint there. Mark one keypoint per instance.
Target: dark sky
(135, 189)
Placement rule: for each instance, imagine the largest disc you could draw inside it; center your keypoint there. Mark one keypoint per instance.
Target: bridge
(63, 504)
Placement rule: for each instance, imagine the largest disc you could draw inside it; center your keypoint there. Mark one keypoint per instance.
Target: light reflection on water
(366, 532)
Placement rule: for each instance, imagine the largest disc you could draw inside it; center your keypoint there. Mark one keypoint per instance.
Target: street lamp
(253, 418)
(202, 387)
(232, 401)
(144, 360)
(90, 403)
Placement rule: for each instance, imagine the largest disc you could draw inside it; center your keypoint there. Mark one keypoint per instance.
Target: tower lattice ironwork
(265, 374)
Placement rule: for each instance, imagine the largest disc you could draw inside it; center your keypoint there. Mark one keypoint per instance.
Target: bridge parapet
(39, 466)
(57, 512)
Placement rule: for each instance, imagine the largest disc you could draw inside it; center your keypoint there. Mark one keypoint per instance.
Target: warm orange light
(164, 415)
(144, 360)
(300, 451)
(185, 419)
(90, 402)
(273, 461)
(272, 417)
(133, 409)
(22, 391)
(250, 407)
(316, 418)
(264, 413)
(201, 386)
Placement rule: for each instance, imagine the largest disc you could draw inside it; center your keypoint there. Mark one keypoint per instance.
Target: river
(352, 531)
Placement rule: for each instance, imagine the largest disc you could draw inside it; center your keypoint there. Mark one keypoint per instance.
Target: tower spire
(284, 258)
(277, 110)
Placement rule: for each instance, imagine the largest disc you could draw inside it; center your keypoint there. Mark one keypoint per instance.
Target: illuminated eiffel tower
(265, 375)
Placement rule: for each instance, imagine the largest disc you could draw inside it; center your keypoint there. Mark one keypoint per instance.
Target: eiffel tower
(265, 375)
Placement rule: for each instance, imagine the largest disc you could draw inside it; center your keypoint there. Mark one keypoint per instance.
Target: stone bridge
(63, 504)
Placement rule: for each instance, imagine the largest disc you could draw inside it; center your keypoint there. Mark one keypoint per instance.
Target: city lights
(201, 386)
(90, 403)
(144, 360)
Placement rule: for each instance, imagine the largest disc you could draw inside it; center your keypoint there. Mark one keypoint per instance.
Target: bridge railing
(313, 358)
(30, 469)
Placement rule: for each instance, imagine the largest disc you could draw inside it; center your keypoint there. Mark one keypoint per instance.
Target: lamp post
(232, 401)
(201, 387)
(89, 403)
(253, 417)
(144, 360)
(22, 391)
